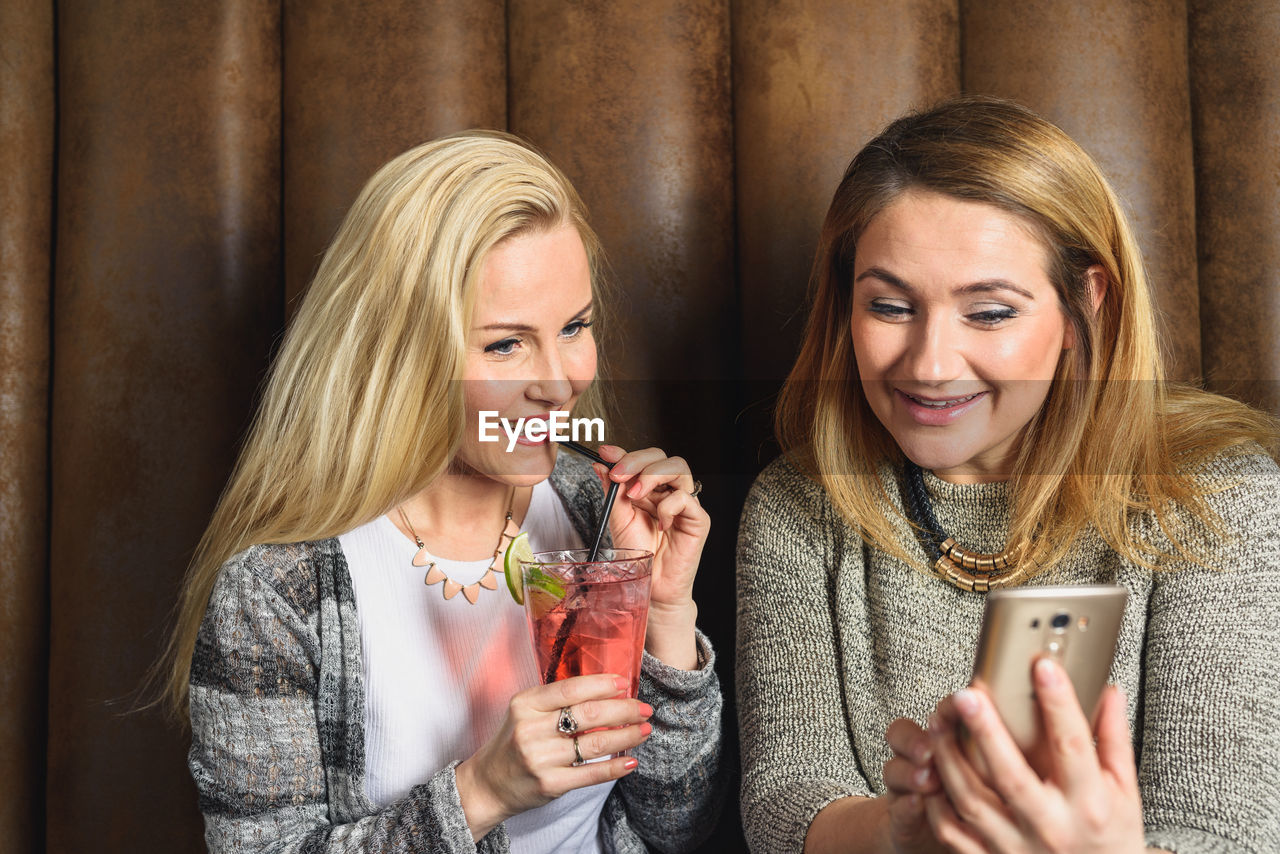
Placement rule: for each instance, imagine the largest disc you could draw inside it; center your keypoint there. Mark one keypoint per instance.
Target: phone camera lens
(1060, 621)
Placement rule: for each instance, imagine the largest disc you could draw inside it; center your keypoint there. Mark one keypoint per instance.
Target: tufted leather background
(170, 171)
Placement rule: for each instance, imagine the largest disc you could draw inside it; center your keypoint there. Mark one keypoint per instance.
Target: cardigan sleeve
(1209, 752)
(673, 798)
(264, 755)
(796, 751)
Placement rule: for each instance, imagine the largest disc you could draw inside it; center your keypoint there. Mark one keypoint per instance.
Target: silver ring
(567, 723)
(577, 754)
(697, 487)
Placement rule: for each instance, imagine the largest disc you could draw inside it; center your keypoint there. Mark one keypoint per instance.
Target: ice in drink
(588, 617)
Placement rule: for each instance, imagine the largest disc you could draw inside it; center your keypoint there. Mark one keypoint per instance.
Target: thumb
(907, 824)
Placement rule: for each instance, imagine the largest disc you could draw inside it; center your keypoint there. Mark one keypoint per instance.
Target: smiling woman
(955, 324)
(356, 677)
(979, 403)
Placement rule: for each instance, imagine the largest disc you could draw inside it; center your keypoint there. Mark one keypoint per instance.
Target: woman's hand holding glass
(531, 760)
(656, 510)
(1085, 799)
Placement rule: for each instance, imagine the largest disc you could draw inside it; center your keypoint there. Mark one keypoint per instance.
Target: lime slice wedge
(518, 550)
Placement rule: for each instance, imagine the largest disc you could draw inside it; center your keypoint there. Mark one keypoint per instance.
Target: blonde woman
(981, 364)
(338, 702)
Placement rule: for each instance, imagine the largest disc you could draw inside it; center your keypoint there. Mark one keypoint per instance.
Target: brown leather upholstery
(206, 151)
(26, 229)
(166, 299)
(1236, 111)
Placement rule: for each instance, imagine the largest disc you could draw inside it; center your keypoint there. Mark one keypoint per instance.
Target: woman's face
(957, 331)
(529, 350)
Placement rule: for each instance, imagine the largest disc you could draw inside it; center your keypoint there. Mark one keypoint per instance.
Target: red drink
(588, 617)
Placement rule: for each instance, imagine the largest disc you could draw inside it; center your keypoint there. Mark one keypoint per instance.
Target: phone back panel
(1075, 626)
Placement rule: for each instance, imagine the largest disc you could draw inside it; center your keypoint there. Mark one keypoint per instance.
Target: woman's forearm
(850, 826)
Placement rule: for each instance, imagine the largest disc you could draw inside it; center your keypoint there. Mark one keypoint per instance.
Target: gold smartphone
(1075, 626)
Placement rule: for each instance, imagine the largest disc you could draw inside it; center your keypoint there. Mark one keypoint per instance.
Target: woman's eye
(993, 316)
(576, 327)
(505, 347)
(891, 309)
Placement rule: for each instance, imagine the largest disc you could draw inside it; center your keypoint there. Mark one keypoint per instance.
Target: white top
(439, 674)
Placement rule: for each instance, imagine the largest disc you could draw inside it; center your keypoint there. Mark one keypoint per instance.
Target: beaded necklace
(968, 570)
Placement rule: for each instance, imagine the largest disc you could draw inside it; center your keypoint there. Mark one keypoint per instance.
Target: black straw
(608, 498)
(604, 518)
(586, 452)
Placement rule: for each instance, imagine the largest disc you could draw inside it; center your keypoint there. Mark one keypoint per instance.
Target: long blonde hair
(1112, 437)
(363, 406)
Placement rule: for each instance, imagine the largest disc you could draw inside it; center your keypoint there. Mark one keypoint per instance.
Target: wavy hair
(1112, 437)
(363, 405)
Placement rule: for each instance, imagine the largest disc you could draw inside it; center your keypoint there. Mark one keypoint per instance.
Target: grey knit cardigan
(836, 639)
(277, 720)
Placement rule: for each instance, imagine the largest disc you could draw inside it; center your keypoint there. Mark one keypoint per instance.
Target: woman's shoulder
(1242, 463)
(290, 570)
(784, 480)
(784, 492)
(1236, 508)
(1240, 484)
(1239, 481)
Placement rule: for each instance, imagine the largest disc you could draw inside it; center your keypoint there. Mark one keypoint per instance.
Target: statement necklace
(435, 574)
(972, 571)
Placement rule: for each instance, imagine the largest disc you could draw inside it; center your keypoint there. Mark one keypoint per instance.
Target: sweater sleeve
(674, 797)
(1209, 764)
(796, 751)
(263, 778)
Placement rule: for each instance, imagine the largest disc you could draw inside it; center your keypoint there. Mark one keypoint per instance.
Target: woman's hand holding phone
(1087, 799)
(909, 778)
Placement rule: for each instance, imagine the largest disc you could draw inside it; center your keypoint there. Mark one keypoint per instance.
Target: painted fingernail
(966, 702)
(1046, 672)
(622, 683)
(921, 777)
(923, 753)
(631, 764)
(646, 728)
(646, 710)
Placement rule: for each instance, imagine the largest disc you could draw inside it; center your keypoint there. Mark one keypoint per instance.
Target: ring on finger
(577, 753)
(697, 488)
(567, 723)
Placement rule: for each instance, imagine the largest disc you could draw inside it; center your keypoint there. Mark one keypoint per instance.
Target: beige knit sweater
(836, 639)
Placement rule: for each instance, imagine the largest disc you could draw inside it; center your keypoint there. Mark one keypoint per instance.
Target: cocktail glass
(588, 617)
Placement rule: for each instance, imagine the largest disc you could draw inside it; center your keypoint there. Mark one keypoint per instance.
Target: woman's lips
(524, 439)
(938, 411)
